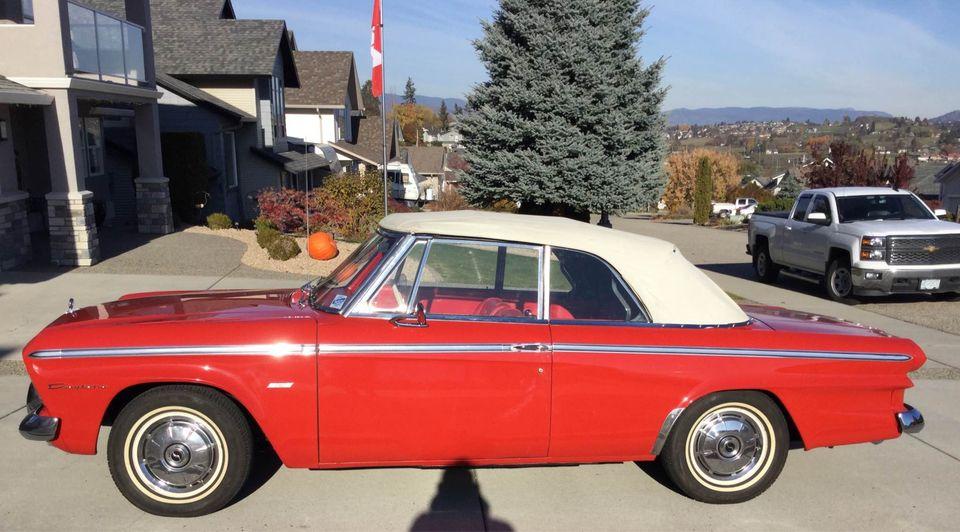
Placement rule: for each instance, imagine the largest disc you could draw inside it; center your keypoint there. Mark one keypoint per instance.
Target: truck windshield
(881, 207)
(332, 292)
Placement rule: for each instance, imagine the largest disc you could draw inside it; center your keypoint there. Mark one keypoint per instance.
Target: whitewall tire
(728, 447)
(180, 451)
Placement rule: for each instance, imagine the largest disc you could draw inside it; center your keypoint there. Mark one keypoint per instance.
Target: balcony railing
(106, 47)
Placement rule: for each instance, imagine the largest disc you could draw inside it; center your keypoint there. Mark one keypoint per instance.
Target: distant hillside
(715, 115)
(952, 116)
(432, 102)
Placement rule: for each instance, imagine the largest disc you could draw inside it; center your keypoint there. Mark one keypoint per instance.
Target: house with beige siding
(223, 81)
(78, 83)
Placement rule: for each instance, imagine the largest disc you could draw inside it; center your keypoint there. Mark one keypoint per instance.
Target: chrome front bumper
(904, 281)
(910, 420)
(34, 426)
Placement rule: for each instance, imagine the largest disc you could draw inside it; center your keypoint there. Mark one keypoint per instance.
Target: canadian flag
(376, 49)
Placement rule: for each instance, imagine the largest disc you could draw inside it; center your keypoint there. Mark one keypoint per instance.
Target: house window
(276, 97)
(16, 11)
(230, 158)
(93, 145)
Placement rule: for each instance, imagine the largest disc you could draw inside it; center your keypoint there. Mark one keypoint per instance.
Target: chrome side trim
(665, 430)
(240, 350)
(725, 352)
(414, 348)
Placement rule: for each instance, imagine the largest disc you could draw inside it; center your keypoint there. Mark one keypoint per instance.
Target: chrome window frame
(376, 280)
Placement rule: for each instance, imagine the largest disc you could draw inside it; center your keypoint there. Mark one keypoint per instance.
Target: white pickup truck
(743, 206)
(859, 241)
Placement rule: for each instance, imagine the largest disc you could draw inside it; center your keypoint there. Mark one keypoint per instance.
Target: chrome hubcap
(842, 282)
(178, 454)
(727, 446)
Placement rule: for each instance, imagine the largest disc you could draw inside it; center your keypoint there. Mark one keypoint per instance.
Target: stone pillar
(74, 240)
(15, 247)
(154, 213)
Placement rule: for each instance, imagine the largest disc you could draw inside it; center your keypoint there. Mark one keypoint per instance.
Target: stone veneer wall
(154, 212)
(74, 240)
(15, 247)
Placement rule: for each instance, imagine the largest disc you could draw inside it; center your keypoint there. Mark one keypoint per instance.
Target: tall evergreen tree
(569, 122)
(370, 102)
(410, 92)
(444, 116)
(702, 192)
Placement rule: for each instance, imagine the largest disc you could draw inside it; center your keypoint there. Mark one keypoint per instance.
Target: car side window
(453, 278)
(585, 288)
(822, 205)
(800, 213)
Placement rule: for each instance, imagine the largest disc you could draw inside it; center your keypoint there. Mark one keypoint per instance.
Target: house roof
(190, 40)
(673, 290)
(427, 160)
(200, 10)
(200, 97)
(368, 145)
(948, 172)
(324, 79)
(293, 161)
(15, 93)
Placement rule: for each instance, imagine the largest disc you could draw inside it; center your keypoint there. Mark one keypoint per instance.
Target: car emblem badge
(931, 249)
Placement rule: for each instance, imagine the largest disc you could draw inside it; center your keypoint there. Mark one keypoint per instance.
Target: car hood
(782, 319)
(169, 306)
(900, 227)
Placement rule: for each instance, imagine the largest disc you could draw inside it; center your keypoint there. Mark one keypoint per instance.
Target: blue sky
(899, 57)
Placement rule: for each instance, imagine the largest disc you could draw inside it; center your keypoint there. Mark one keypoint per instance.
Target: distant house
(365, 151)
(448, 139)
(327, 107)
(77, 86)
(430, 162)
(949, 180)
(224, 84)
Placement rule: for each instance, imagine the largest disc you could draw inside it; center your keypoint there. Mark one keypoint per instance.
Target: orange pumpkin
(321, 246)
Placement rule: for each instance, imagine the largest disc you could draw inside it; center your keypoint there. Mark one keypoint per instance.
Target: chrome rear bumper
(34, 426)
(910, 420)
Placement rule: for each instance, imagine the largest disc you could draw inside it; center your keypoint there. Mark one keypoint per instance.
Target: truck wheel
(766, 270)
(727, 447)
(180, 451)
(839, 281)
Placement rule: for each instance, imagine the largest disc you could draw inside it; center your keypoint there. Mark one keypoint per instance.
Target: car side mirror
(818, 218)
(940, 213)
(418, 319)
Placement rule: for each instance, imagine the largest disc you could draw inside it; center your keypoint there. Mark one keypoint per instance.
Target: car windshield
(332, 292)
(881, 207)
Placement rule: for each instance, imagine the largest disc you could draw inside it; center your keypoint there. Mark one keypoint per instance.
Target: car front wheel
(727, 447)
(180, 451)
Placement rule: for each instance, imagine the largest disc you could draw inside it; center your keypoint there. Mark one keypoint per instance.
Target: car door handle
(538, 348)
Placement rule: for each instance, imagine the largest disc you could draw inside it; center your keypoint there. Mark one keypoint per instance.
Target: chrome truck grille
(923, 250)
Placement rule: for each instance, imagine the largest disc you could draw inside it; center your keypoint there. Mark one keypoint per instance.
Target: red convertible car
(463, 338)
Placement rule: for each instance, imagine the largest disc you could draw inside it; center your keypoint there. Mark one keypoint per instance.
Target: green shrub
(703, 193)
(778, 203)
(263, 223)
(266, 235)
(218, 220)
(283, 248)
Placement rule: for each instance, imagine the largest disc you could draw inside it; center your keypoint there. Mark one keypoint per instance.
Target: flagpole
(383, 114)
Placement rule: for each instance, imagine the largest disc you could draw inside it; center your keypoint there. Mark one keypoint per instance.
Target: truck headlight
(873, 248)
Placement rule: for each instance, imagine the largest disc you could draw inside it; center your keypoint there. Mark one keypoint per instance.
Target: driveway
(908, 483)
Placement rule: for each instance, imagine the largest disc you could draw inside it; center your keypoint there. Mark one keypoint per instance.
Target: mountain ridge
(715, 115)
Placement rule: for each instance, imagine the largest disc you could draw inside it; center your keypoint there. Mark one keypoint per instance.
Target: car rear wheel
(839, 281)
(180, 451)
(766, 270)
(727, 447)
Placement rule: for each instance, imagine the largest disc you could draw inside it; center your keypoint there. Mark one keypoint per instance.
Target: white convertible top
(673, 290)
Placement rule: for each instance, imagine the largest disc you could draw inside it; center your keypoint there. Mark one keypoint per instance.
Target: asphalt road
(909, 483)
